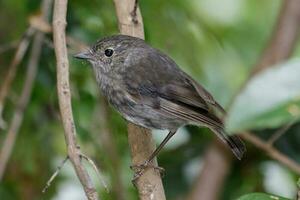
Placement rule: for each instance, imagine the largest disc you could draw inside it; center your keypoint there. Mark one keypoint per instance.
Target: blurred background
(216, 42)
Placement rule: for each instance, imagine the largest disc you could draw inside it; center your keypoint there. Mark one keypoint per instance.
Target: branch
(64, 97)
(284, 37)
(51, 179)
(37, 22)
(11, 73)
(17, 119)
(93, 164)
(272, 152)
(217, 163)
(275, 136)
(9, 46)
(140, 140)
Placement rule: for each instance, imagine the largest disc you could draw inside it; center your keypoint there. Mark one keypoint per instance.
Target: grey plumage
(149, 89)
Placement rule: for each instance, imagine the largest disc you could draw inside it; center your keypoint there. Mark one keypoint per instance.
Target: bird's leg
(139, 169)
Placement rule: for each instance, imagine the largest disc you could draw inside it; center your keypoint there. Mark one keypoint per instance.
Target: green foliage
(269, 100)
(261, 196)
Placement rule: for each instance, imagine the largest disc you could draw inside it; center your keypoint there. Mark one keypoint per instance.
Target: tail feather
(234, 142)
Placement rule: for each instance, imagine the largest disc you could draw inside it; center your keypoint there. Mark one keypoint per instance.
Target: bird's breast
(117, 96)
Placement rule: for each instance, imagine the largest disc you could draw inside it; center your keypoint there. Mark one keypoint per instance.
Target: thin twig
(64, 97)
(73, 44)
(273, 153)
(275, 136)
(92, 163)
(76, 44)
(9, 46)
(55, 174)
(49, 43)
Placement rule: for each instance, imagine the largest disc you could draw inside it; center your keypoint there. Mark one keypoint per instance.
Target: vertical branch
(64, 97)
(17, 119)
(284, 37)
(140, 139)
(217, 163)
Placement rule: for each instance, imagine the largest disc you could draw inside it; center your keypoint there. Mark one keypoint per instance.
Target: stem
(64, 97)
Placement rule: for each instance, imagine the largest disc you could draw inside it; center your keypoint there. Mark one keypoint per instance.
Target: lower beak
(83, 55)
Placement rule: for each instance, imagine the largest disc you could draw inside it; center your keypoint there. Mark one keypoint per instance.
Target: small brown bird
(148, 89)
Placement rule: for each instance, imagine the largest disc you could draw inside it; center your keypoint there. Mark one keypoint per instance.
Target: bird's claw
(140, 169)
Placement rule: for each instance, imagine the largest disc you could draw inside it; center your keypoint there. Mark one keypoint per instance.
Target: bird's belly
(141, 114)
(147, 117)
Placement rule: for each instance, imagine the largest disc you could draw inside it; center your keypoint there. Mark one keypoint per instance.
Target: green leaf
(269, 100)
(261, 196)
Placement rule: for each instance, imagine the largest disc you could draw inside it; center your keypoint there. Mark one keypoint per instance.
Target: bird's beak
(86, 55)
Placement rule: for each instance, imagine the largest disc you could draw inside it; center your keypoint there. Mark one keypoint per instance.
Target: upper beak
(83, 55)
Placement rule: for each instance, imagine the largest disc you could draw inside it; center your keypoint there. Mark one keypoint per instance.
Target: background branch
(280, 47)
(17, 119)
(64, 96)
(9, 46)
(272, 152)
(217, 164)
(284, 37)
(280, 132)
(140, 140)
(12, 69)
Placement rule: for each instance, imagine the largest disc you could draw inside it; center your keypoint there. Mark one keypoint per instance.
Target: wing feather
(186, 114)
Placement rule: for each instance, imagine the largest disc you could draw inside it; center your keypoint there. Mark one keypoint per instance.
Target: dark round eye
(108, 52)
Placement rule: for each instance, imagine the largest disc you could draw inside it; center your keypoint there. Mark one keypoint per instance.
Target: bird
(149, 89)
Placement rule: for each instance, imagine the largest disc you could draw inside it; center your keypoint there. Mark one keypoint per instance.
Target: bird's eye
(108, 52)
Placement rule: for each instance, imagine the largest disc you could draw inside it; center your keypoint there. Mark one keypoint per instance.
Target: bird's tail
(234, 142)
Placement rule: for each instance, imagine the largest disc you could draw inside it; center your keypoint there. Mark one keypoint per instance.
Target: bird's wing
(154, 79)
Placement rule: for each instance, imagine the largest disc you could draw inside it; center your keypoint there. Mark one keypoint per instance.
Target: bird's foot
(139, 170)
